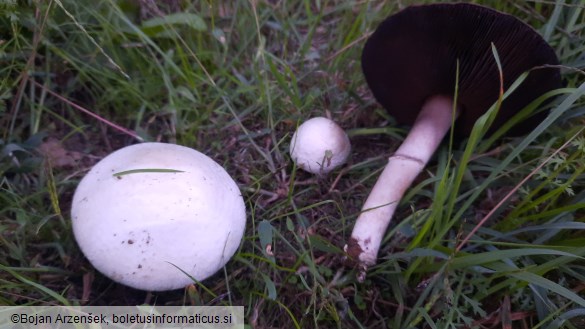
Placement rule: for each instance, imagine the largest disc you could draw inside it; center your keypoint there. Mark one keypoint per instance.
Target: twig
(509, 195)
(91, 114)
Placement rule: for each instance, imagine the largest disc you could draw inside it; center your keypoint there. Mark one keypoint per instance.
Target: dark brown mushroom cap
(413, 55)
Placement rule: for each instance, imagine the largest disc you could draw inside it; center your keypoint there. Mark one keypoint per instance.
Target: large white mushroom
(319, 145)
(150, 215)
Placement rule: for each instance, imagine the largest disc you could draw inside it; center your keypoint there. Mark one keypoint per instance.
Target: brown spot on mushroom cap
(413, 55)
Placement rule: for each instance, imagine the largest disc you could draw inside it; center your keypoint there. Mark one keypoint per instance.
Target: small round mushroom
(410, 64)
(319, 146)
(150, 215)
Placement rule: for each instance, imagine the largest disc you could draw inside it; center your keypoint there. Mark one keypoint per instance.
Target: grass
(233, 80)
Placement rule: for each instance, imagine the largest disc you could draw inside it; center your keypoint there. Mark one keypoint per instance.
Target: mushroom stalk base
(403, 167)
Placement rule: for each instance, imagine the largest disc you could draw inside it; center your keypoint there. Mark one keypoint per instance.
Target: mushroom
(319, 145)
(151, 215)
(410, 64)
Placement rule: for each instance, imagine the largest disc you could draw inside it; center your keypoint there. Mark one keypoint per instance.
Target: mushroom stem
(403, 167)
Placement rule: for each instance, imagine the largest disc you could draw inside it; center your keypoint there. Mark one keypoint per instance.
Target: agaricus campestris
(319, 145)
(410, 64)
(150, 215)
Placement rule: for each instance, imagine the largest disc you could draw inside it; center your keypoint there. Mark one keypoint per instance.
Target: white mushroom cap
(176, 211)
(319, 145)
